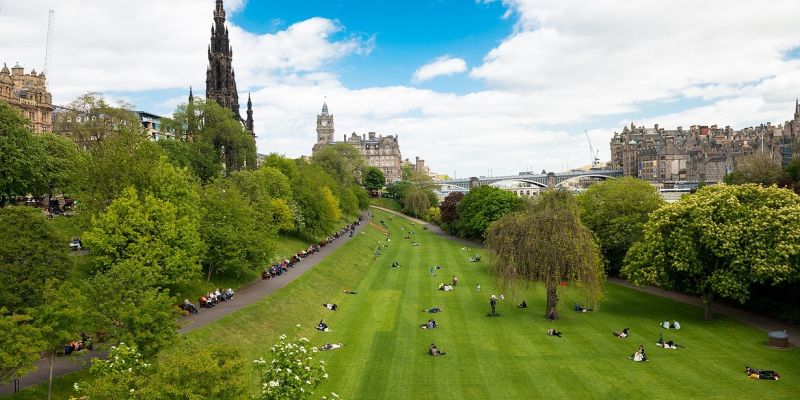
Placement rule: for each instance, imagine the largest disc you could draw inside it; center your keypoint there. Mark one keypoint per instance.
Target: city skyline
(470, 86)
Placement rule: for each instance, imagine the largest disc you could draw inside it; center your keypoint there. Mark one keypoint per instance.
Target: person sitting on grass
(396, 264)
(580, 308)
(321, 326)
(673, 325)
(455, 280)
(330, 346)
(553, 332)
(434, 351)
(639, 355)
(429, 325)
(432, 310)
(330, 306)
(621, 335)
(762, 374)
(349, 291)
(523, 304)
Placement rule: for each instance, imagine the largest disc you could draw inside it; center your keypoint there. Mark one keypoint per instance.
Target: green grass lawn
(508, 357)
(386, 202)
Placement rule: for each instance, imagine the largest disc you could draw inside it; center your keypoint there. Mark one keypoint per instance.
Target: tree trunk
(210, 268)
(551, 311)
(50, 380)
(708, 298)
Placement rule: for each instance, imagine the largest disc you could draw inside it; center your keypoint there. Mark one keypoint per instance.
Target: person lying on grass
(429, 325)
(432, 310)
(321, 326)
(580, 308)
(331, 306)
(669, 344)
(434, 351)
(349, 291)
(444, 287)
(623, 334)
(762, 374)
(553, 332)
(330, 346)
(523, 304)
(396, 264)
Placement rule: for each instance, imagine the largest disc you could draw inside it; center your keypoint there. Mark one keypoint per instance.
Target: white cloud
(442, 66)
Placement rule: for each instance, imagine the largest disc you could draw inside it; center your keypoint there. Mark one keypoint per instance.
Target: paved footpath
(760, 322)
(246, 295)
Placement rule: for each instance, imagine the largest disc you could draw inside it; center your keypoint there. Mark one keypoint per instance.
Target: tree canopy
(482, 206)
(546, 243)
(616, 210)
(374, 178)
(719, 241)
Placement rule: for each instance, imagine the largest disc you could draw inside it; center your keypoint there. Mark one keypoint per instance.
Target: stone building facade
(701, 153)
(379, 151)
(28, 93)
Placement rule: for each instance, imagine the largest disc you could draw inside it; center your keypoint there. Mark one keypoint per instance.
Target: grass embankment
(508, 357)
(386, 202)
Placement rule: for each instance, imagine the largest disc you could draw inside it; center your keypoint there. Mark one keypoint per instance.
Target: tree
(23, 161)
(89, 120)
(374, 179)
(755, 168)
(21, 345)
(130, 310)
(482, 206)
(200, 157)
(229, 228)
(208, 372)
(149, 233)
(60, 161)
(449, 207)
(121, 375)
(718, 242)
(398, 190)
(615, 211)
(293, 371)
(546, 243)
(60, 319)
(416, 203)
(317, 213)
(31, 253)
(342, 161)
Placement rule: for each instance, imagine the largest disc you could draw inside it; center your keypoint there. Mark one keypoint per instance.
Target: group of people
(211, 299)
(639, 355)
(73, 346)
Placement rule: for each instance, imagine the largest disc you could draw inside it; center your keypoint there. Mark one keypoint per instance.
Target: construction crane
(49, 45)
(594, 157)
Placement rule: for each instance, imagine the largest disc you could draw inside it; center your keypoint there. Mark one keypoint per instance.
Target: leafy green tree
(90, 119)
(200, 157)
(362, 196)
(615, 211)
(317, 213)
(482, 206)
(287, 166)
(269, 194)
(22, 342)
(546, 243)
(398, 190)
(342, 161)
(754, 168)
(121, 375)
(229, 228)
(31, 253)
(720, 241)
(60, 319)
(23, 161)
(374, 178)
(406, 170)
(209, 372)
(61, 161)
(150, 233)
(449, 207)
(416, 203)
(433, 198)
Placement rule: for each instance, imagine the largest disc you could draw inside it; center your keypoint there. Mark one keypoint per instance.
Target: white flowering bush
(119, 376)
(293, 372)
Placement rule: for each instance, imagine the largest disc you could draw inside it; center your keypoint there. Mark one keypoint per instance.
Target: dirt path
(757, 321)
(246, 295)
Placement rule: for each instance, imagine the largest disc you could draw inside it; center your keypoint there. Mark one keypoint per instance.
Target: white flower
(274, 383)
(325, 375)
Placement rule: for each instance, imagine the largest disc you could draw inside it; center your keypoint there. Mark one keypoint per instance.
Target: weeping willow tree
(546, 243)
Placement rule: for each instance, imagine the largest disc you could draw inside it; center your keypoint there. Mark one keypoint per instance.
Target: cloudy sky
(470, 86)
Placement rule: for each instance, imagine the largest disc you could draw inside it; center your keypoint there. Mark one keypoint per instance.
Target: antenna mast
(49, 46)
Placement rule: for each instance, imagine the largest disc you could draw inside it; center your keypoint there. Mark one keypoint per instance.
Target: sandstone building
(28, 93)
(379, 151)
(701, 153)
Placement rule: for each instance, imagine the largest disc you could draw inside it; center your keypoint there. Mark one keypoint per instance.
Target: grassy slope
(387, 202)
(506, 358)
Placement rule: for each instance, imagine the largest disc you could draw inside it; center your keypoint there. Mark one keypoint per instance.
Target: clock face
(324, 122)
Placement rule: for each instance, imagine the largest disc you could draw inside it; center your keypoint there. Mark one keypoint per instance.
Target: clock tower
(324, 127)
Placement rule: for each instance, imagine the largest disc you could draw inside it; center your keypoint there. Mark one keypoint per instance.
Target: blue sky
(469, 86)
